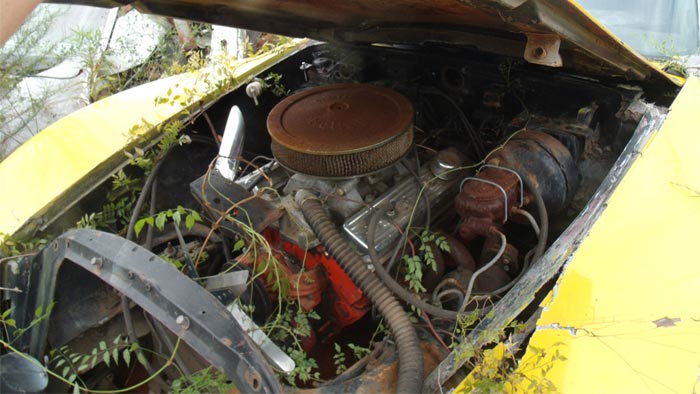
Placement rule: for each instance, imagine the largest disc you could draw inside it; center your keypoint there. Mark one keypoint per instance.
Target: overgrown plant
(495, 370)
(176, 215)
(26, 53)
(671, 61)
(71, 364)
(207, 380)
(414, 262)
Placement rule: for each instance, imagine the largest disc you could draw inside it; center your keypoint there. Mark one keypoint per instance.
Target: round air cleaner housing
(341, 131)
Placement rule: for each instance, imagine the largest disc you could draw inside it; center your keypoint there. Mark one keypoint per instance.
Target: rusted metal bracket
(543, 49)
(179, 303)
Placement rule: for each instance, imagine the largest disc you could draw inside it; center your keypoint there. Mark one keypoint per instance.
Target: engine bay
(445, 182)
(362, 208)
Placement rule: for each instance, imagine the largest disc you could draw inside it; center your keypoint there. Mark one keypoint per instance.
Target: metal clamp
(520, 180)
(505, 196)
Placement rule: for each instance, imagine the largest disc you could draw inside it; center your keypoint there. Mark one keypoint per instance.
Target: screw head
(97, 261)
(182, 321)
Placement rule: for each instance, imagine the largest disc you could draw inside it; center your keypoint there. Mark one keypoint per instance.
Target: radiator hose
(409, 350)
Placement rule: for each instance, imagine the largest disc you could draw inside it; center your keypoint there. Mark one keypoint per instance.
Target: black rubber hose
(131, 235)
(409, 350)
(393, 285)
(544, 219)
(145, 192)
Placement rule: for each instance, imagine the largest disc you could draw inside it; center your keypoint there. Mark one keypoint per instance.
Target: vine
(72, 364)
(415, 262)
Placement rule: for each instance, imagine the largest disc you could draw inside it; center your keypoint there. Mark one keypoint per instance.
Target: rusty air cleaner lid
(341, 130)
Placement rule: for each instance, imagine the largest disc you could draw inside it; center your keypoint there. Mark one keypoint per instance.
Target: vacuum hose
(410, 354)
(393, 285)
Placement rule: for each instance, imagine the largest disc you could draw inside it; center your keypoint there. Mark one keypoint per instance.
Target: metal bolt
(130, 274)
(148, 285)
(98, 261)
(182, 321)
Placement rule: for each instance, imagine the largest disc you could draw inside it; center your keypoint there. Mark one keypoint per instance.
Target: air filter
(341, 131)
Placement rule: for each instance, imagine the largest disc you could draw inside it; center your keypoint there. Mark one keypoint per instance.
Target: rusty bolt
(539, 53)
(182, 321)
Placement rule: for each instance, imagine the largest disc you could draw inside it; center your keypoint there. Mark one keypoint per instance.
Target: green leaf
(141, 358)
(65, 370)
(176, 217)
(103, 345)
(60, 362)
(196, 216)
(117, 339)
(72, 377)
(76, 389)
(115, 355)
(238, 245)
(127, 356)
(11, 322)
(105, 358)
(139, 226)
(189, 222)
(39, 310)
(6, 313)
(160, 221)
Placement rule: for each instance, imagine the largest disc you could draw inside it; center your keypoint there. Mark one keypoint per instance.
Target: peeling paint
(556, 326)
(623, 311)
(666, 322)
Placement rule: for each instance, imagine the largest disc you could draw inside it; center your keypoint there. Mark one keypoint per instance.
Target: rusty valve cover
(343, 130)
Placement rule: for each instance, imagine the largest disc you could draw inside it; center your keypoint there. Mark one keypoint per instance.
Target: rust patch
(339, 119)
(342, 130)
(253, 379)
(666, 321)
(543, 49)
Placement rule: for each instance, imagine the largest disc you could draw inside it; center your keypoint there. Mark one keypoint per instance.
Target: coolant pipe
(231, 145)
(409, 350)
